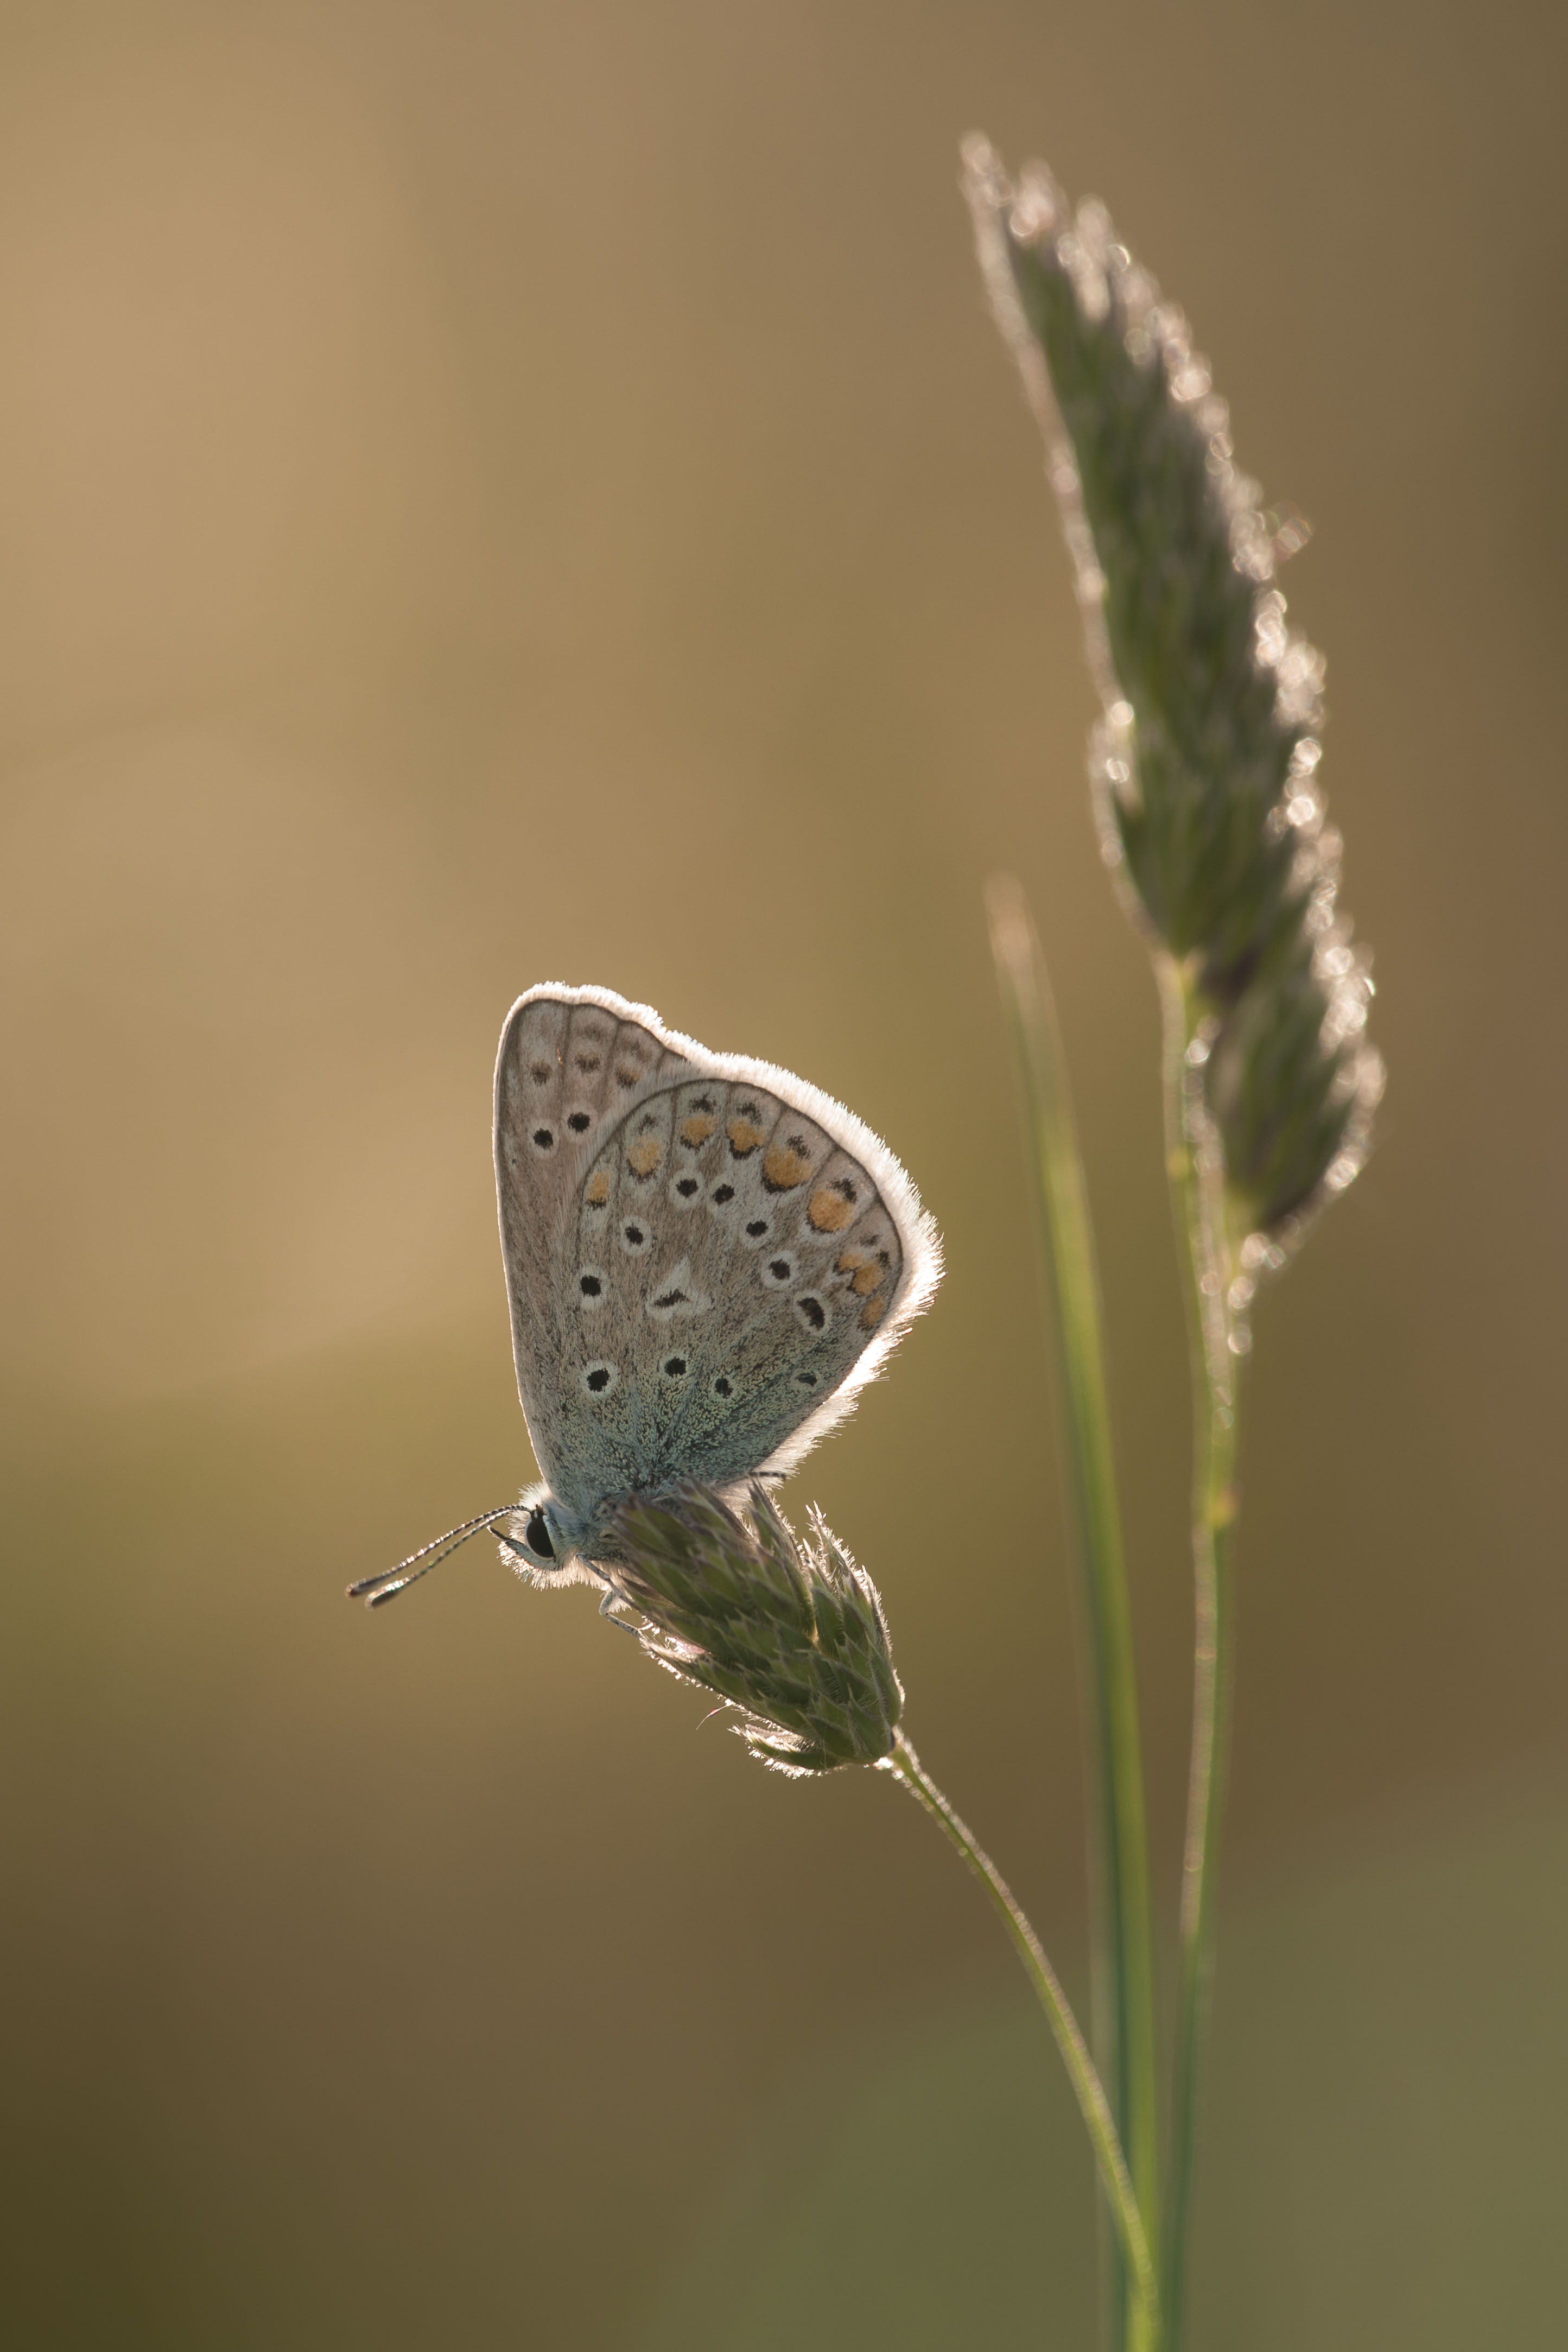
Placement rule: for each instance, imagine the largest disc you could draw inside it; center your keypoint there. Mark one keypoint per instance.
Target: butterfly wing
(570, 1060)
(707, 1258)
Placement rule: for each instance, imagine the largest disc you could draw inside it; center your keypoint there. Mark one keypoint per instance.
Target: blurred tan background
(497, 492)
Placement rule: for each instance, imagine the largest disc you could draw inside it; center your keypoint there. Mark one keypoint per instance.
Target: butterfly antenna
(374, 1589)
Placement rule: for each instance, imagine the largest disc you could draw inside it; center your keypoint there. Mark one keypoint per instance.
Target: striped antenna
(375, 1590)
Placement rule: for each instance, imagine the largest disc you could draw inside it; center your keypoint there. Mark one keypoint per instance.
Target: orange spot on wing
(868, 1279)
(696, 1129)
(644, 1157)
(598, 1189)
(829, 1212)
(851, 1260)
(872, 1313)
(784, 1167)
(744, 1138)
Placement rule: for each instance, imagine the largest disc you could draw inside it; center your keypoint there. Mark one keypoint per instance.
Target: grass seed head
(1204, 761)
(790, 1634)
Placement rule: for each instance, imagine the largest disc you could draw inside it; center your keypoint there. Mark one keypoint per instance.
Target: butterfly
(706, 1261)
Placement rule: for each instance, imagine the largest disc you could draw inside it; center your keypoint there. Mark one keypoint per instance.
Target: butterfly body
(707, 1260)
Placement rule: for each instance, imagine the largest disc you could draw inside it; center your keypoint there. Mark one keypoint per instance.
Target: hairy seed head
(1203, 762)
(791, 1634)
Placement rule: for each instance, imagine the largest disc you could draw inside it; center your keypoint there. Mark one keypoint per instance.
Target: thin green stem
(1091, 2092)
(1218, 1340)
(1119, 1843)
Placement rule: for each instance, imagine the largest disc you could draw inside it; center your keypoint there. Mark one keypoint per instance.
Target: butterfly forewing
(565, 1072)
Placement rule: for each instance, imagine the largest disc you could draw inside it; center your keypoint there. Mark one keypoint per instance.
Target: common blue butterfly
(707, 1259)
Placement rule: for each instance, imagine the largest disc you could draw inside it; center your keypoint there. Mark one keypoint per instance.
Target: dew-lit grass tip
(789, 1633)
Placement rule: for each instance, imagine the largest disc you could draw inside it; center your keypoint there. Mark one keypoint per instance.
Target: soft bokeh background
(491, 492)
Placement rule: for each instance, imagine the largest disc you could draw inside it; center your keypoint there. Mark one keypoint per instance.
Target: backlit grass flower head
(791, 1634)
(1205, 759)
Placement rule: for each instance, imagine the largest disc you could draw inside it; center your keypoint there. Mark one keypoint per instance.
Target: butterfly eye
(538, 1534)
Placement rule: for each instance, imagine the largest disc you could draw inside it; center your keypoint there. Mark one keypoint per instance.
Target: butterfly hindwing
(733, 1265)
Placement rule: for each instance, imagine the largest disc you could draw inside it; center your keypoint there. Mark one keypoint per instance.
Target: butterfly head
(540, 1540)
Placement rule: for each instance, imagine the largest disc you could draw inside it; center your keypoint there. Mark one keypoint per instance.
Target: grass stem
(1118, 1841)
(1091, 2092)
(1193, 1163)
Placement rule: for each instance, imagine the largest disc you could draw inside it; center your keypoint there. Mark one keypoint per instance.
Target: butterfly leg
(611, 1601)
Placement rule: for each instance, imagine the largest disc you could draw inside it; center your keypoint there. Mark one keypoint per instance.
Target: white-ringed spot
(599, 1380)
